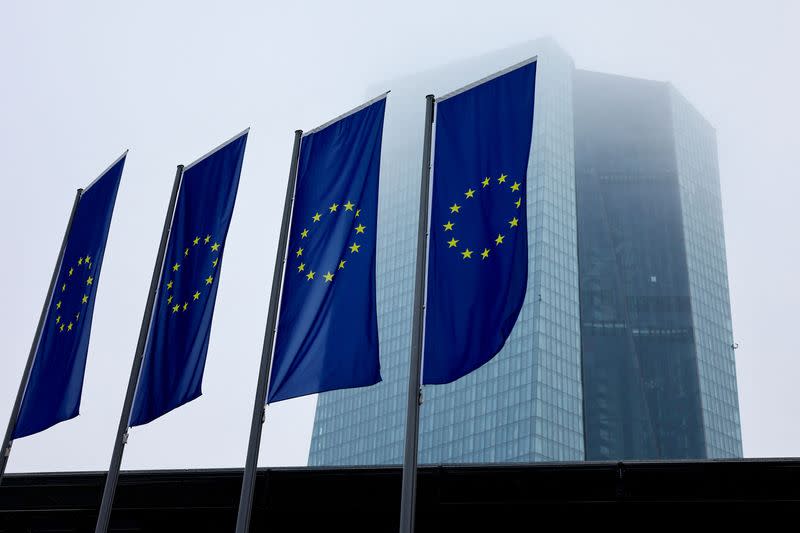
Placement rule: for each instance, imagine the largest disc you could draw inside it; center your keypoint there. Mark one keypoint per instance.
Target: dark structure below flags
(451, 498)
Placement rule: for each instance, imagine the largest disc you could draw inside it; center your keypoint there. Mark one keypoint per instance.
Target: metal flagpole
(122, 430)
(5, 451)
(409, 491)
(259, 407)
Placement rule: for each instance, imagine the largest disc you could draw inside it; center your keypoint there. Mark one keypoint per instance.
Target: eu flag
(175, 354)
(327, 334)
(478, 257)
(53, 392)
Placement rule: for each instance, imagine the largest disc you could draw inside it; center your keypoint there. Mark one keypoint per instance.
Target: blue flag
(53, 392)
(328, 328)
(478, 262)
(175, 355)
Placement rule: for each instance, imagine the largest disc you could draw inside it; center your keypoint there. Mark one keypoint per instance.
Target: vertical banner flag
(53, 392)
(327, 334)
(478, 258)
(175, 355)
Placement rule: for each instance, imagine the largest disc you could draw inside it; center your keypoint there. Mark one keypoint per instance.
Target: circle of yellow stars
(354, 248)
(175, 306)
(65, 322)
(469, 194)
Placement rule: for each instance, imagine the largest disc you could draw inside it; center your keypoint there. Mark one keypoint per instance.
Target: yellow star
(485, 253)
(354, 248)
(169, 285)
(328, 277)
(515, 187)
(452, 242)
(360, 228)
(89, 280)
(485, 182)
(334, 206)
(499, 239)
(77, 316)
(448, 226)
(466, 254)
(175, 308)
(454, 208)
(186, 252)
(358, 213)
(169, 300)
(196, 295)
(514, 222)
(215, 247)
(470, 193)
(214, 262)
(518, 202)
(69, 326)
(80, 260)
(196, 241)
(299, 252)
(58, 319)
(502, 178)
(87, 260)
(207, 239)
(341, 264)
(310, 275)
(349, 206)
(175, 267)
(63, 287)
(84, 299)
(185, 305)
(58, 305)
(209, 280)
(61, 328)
(304, 234)
(301, 267)
(70, 271)
(316, 217)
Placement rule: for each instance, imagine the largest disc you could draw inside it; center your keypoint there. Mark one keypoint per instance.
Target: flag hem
(103, 173)
(488, 78)
(346, 114)
(217, 149)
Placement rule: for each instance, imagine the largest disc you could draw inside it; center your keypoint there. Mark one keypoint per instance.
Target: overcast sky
(82, 81)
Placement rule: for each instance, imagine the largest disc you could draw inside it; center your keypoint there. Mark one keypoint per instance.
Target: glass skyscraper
(555, 392)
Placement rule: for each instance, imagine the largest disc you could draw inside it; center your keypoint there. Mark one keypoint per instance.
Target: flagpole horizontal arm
(346, 114)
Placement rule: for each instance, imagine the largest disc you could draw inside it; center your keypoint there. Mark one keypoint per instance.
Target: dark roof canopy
(451, 498)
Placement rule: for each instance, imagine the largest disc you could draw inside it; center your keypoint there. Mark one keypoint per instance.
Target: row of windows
(536, 363)
(705, 249)
(549, 206)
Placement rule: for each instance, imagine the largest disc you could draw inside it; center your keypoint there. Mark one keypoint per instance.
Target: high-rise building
(658, 371)
(586, 374)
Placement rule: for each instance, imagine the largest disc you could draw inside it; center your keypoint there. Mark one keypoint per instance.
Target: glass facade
(642, 339)
(698, 177)
(525, 405)
(640, 382)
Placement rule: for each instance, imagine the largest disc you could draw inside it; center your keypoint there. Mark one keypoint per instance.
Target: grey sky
(82, 81)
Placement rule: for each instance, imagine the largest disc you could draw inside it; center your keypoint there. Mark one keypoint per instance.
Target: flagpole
(5, 451)
(122, 430)
(259, 406)
(409, 491)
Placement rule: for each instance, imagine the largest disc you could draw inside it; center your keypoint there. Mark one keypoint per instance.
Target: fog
(82, 81)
